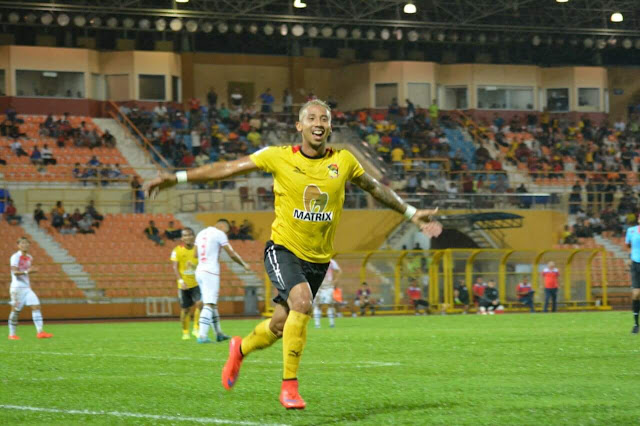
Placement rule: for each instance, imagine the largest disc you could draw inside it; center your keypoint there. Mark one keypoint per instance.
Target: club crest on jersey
(315, 202)
(333, 171)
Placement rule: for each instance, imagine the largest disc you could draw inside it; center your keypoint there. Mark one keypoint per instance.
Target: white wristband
(409, 212)
(181, 281)
(181, 177)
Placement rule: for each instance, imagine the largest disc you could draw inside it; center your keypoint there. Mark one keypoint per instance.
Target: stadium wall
(79, 311)
(353, 85)
(624, 90)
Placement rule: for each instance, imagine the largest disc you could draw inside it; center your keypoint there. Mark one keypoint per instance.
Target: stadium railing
(583, 284)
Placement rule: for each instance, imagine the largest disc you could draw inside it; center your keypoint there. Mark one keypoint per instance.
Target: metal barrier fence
(388, 274)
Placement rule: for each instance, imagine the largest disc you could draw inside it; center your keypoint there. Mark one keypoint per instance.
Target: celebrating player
(20, 290)
(309, 187)
(325, 295)
(208, 244)
(184, 261)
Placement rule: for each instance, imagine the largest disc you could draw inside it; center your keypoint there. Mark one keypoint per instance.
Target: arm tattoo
(381, 193)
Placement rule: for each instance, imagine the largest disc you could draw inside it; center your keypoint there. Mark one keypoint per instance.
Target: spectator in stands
(525, 293)
(11, 214)
(245, 231)
(236, 99)
(568, 235)
(16, 148)
(415, 296)
(234, 231)
(108, 140)
(138, 195)
(38, 214)
(363, 300)
(36, 156)
(67, 227)
(153, 234)
(411, 109)
(550, 275)
(172, 233)
(91, 211)
(212, 98)
(85, 224)
(575, 198)
(287, 102)
(433, 112)
(47, 156)
(202, 158)
(394, 109)
(76, 217)
(160, 111)
(489, 302)
(267, 101)
(92, 167)
(461, 295)
(116, 173)
(77, 172)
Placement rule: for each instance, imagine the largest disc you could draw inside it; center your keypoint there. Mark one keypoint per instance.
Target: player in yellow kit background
(184, 259)
(309, 188)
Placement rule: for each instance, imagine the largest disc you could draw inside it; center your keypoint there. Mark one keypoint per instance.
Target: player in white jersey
(208, 244)
(325, 295)
(20, 290)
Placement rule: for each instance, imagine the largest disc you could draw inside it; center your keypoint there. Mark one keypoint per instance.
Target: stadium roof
(584, 25)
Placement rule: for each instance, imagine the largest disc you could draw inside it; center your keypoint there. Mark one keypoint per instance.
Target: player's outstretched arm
(388, 197)
(206, 173)
(235, 257)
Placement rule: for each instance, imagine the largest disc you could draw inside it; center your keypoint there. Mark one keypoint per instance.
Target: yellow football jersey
(187, 262)
(309, 193)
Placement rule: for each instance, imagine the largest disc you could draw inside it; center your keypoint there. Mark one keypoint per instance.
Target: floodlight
(161, 24)
(297, 30)
(410, 8)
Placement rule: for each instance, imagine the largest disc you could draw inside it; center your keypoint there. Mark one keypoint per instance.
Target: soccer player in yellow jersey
(185, 260)
(309, 187)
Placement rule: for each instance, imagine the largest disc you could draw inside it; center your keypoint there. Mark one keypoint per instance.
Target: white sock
(215, 319)
(331, 313)
(37, 320)
(317, 314)
(205, 321)
(13, 323)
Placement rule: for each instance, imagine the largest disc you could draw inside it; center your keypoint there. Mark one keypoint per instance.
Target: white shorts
(23, 296)
(324, 296)
(209, 286)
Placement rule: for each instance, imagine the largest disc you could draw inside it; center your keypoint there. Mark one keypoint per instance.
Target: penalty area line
(203, 420)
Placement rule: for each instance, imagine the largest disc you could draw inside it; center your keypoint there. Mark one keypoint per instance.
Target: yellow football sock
(196, 319)
(261, 337)
(184, 318)
(294, 337)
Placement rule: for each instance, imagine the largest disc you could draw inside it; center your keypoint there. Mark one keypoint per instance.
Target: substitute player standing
(309, 187)
(633, 241)
(325, 295)
(208, 244)
(20, 290)
(184, 261)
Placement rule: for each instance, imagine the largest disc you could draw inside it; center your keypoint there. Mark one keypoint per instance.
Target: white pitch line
(358, 364)
(203, 420)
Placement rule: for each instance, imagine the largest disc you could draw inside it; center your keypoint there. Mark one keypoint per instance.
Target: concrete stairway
(611, 247)
(136, 156)
(60, 255)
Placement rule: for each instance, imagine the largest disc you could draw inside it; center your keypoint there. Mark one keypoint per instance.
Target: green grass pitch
(578, 368)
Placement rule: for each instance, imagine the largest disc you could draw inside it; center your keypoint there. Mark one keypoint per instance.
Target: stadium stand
(68, 146)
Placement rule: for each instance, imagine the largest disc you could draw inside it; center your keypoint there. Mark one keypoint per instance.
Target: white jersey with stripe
(327, 283)
(23, 263)
(208, 243)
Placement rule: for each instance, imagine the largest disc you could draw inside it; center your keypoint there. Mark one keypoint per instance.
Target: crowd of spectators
(65, 135)
(70, 223)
